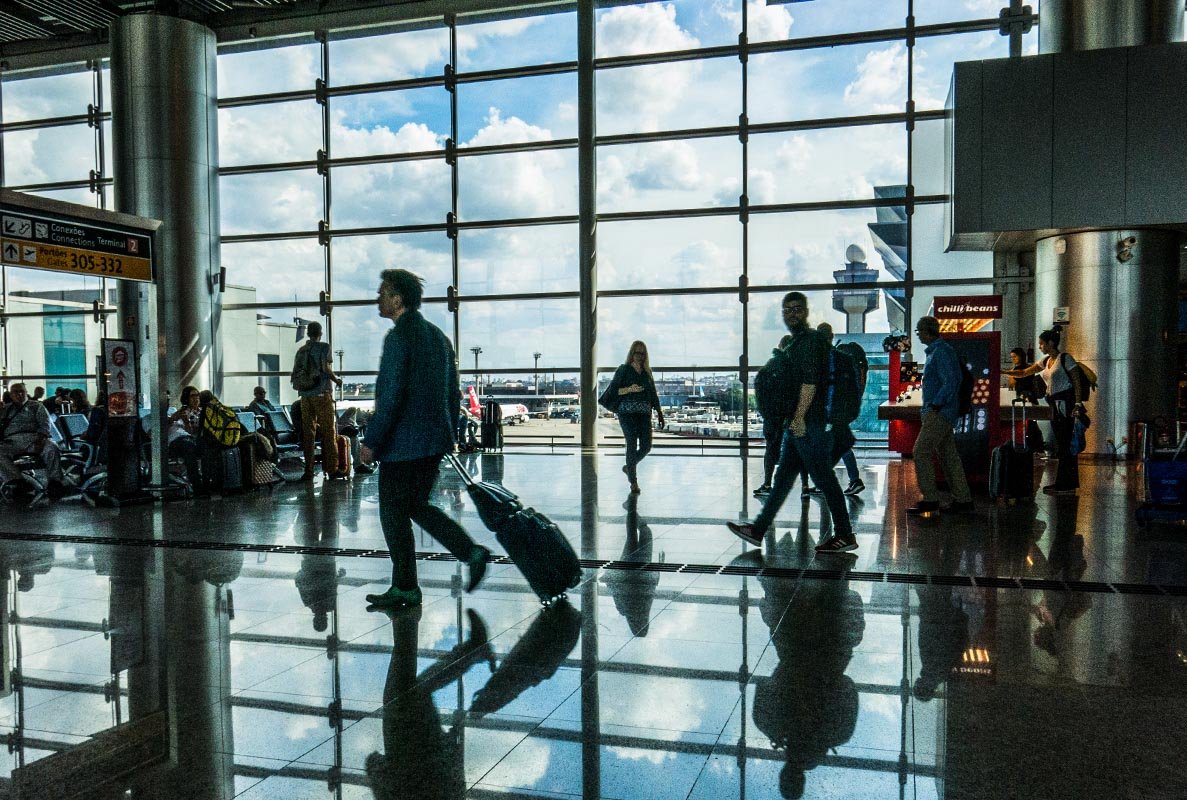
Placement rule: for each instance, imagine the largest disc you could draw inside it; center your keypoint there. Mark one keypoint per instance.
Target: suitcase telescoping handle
(1017, 401)
(467, 478)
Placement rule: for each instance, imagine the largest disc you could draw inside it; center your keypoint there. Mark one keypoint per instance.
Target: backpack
(842, 405)
(964, 395)
(1088, 379)
(858, 354)
(772, 388)
(306, 374)
(220, 425)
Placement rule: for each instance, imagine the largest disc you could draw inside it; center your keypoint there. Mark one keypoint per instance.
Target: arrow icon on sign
(11, 251)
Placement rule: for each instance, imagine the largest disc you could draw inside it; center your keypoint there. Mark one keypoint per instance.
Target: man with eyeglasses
(808, 440)
(941, 410)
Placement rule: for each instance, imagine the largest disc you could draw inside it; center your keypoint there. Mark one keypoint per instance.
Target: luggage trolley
(1164, 475)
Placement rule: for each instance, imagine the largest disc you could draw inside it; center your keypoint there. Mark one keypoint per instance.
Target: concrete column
(1123, 300)
(165, 146)
(1124, 308)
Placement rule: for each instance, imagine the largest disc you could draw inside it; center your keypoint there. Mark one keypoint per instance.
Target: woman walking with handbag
(1064, 390)
(631, 395)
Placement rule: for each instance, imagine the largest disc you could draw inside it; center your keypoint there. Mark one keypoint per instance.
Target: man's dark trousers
(812, 451)
(404, 488)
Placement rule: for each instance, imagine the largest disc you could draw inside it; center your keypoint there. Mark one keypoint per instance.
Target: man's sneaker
(763, 490)
(1052, 489)
(479, 558)
(855, 487)
(745, 532)
(837, 544)
(957, 507)
(924, 507)
(813, 490)
(395, 598)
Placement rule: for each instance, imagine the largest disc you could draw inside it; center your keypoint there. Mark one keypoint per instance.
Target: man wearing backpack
(942, 376)
(313, 372)
(808, 441)
(861, 366)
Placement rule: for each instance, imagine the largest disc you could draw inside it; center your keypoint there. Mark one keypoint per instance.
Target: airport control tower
(855, 303)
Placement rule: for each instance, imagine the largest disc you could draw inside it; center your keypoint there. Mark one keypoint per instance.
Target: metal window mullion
(3, 268)
(96, 114)
(51, 122)
(744, 218)
(452, 231)
(323, 158)
(909, 205)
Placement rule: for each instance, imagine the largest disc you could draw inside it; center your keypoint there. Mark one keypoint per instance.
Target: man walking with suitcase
(808, 441)
(941, 409)
(416, 404)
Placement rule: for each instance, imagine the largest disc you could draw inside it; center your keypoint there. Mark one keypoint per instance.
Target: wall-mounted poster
(120, 380)
(978, 432)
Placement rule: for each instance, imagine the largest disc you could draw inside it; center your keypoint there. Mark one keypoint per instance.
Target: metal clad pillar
(587, 221)
(165, 147)
(1122, 292)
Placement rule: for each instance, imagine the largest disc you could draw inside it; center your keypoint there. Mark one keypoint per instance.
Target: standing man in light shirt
(317, 405)
(941, 410)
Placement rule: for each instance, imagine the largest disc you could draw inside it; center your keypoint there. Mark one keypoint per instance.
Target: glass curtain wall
(55, 142)
(742, 149)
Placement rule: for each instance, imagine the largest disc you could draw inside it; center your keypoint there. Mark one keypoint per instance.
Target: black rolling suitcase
(533, 541)
(1011, 465)
(222, 468)
(491, 432)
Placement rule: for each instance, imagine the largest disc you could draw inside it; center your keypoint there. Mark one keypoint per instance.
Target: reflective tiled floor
(1033, 651)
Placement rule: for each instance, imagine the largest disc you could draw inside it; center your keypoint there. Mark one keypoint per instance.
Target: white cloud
(765, 23)
(651, 28)
(881, 82)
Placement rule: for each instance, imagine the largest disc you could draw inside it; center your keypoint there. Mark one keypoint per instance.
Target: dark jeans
(772, 434)
(814, 452)
(636, 429)
(404, 488)
(1067, 472)
(186, 448)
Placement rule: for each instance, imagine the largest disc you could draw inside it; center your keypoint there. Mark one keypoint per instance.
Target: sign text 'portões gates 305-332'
(38, 238)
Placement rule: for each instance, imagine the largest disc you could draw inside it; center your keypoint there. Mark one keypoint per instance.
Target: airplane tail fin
(472, 401)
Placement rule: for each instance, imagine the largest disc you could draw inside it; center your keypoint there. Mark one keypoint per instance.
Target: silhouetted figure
(633, 590)
(419, 759)
(808, 705)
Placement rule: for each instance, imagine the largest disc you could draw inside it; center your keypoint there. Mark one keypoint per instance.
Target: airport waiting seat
(31, 489)
(285, 437)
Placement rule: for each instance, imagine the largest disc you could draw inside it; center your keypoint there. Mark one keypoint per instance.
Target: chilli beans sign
(986, 306)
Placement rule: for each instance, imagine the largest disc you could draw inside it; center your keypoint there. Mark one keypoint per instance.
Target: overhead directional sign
(62, 237)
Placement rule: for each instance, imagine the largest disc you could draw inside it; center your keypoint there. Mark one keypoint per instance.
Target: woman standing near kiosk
(1063, 392)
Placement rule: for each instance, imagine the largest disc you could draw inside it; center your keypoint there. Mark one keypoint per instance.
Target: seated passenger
(96, 421)
(79, 402)
(24, 430)
(261, 405)
(182, 436)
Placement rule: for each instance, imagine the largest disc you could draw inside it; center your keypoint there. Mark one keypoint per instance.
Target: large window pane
(390, 57)
(49, 154)
(52, 284)
(518, 110)
(544, 39)
(767, 328)
(678, 330)
(829, 82)
(541, 258)
(52, 345)
(659, 97)
(823, 18)
(840, 164)
(509, 332)
(406, 121)
(46, 96)
(259, 340)
(517, 185)
(929, 242)
(809, 246)
(930, 12)
(273, 69)
(272, 202)
(935, 55)
(358, 260)
(403, 193)
(663, 27)
(670, 253)
(668, 175)
(269, 133)
(281, 271)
